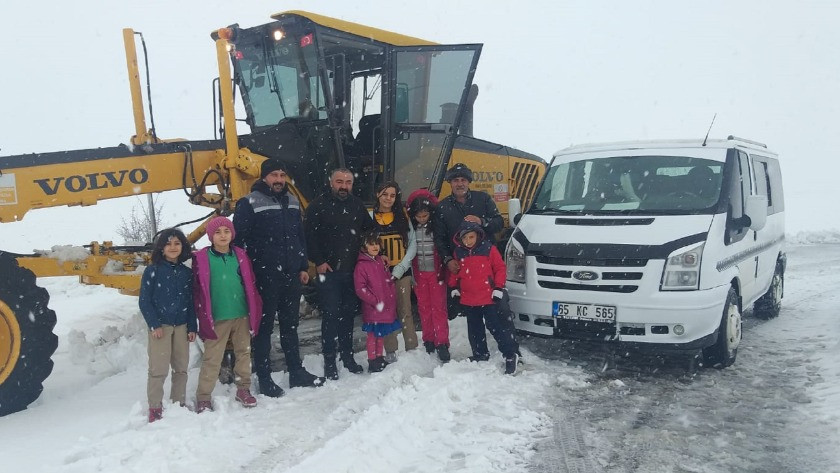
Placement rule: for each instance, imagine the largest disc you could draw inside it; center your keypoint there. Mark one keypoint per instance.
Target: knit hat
(459, 170)
(269, 166)
(420, 194)
(214, 225)
(467, 227)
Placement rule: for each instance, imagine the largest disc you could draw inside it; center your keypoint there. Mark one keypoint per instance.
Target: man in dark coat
(269, 227)
(335, 223)
(461, 205)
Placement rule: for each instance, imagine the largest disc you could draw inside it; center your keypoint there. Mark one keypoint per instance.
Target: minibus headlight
(515, 261)
(682, 269)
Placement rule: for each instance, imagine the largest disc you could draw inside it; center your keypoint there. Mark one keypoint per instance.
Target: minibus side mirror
(515, 210)
(756, 210)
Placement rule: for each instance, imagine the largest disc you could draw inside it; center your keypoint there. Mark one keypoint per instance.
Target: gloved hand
(497, 295)
(456, 294)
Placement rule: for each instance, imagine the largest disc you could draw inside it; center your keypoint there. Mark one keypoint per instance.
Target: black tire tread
(29, 304)
(765, 307)
(716, 355)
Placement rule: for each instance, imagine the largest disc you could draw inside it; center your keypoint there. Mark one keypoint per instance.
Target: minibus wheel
(769, 305)
(725, 349)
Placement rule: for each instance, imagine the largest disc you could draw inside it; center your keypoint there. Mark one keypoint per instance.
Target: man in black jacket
(463, 204)
(335, 222)
(269, 227)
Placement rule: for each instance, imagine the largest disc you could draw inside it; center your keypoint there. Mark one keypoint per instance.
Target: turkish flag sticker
(306, 40)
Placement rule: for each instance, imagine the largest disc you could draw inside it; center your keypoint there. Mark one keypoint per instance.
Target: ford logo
(585, 275)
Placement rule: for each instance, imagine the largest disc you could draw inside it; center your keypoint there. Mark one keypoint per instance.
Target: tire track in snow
(651, 415)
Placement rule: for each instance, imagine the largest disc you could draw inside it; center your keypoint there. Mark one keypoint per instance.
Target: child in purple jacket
(228, 307)
(375, 287)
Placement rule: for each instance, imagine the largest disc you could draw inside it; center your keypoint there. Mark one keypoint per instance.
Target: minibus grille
(621, 288)
(614, 262)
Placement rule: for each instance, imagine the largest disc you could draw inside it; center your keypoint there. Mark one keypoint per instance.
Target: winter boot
(443, 353)
(269, 388)
(302, 378)
(351, 365)
(429, 346)
(244, 397)
(376, 365)
(155, 413)
(482, 357)
(202, 406)
(391, 357)
(511, 363)
(330, 369)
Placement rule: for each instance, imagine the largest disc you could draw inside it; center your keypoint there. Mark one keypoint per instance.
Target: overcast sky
(551, 74)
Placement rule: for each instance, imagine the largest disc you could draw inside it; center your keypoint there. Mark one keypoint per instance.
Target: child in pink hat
(228, 307)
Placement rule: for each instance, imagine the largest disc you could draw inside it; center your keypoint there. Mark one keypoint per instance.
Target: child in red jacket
(479, 284)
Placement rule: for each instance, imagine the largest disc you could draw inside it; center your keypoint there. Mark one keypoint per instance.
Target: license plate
(593, 312)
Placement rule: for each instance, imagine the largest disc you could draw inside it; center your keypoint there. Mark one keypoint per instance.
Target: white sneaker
(391, 357)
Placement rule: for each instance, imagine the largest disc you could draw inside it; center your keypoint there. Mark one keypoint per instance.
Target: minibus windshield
(631, 184)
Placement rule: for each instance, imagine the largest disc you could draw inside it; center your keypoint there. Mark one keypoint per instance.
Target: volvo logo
(585, 275)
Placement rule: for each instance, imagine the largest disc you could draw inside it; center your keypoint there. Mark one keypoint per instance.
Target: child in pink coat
(375, 287)
(428, 272)
(228, 307)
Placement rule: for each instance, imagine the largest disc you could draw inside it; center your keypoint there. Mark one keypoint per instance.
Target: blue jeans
(500, 325)
(339, 305)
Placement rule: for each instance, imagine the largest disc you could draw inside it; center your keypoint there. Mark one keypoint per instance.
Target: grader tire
(26, 338)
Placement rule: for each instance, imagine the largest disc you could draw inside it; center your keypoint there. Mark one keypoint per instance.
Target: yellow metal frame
(94, 269)
(10, 339)
(375, 34)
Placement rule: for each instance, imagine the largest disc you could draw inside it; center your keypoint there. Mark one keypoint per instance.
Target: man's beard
(341, 194)
(278, 188)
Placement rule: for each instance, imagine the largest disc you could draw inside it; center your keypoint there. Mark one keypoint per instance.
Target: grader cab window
(279, 80)
(429, 93)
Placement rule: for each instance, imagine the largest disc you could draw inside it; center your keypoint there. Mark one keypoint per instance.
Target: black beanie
(269, 166)
(459, 170)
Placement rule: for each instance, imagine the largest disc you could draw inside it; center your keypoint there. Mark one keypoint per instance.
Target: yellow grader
(318, 93)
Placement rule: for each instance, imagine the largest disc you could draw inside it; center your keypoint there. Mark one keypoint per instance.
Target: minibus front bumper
(661, 321)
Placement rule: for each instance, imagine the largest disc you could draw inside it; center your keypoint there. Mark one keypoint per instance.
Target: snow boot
(511, 363)
(443, 353)
(202, 406)
(377, 364)
(351, 365)
(330, 368)
(391, 357)
(269, 388)
(478, 358)
(429, 346)
(300, 378)
(244, 397)
(155, 413)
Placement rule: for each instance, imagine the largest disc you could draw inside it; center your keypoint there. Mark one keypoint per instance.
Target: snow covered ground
(776, 409)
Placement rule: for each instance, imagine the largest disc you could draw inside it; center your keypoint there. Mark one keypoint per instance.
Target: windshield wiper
(273, 84)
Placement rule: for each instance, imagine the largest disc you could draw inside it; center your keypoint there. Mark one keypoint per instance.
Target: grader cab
(318, 93)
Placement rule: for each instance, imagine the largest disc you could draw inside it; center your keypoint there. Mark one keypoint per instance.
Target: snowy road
(775, 410)
(764, 414)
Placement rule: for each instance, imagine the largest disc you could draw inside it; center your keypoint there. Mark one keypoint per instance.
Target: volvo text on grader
(307, 82)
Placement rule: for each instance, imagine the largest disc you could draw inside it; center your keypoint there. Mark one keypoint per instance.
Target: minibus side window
(739, 188)
(765, 169)
(762, 181)
(775, 174)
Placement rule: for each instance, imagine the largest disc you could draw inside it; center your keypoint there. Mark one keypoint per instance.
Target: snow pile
(417, 413)
(65, 253)
(814, 237)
